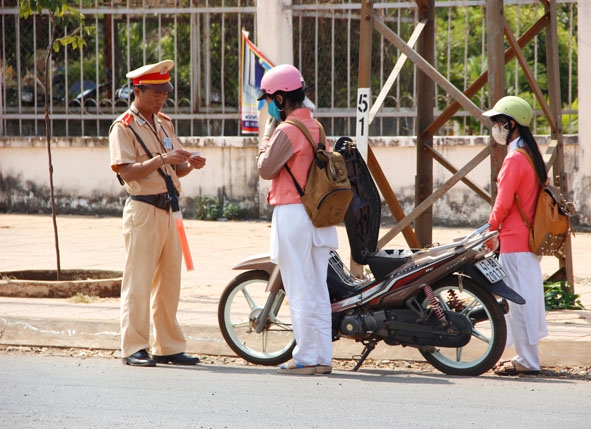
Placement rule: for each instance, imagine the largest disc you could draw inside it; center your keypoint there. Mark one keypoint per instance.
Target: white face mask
(500, 133)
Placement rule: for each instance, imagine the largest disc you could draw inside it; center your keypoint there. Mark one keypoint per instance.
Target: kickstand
(369, 346)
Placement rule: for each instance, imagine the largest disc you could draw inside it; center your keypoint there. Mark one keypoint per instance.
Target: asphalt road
(66, 392)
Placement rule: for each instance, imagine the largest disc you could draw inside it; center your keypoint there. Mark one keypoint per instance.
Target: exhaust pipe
(479, 313)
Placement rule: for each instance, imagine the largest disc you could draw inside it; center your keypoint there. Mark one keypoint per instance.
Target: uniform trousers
(526, 324)
(151, 281)
(302, 253)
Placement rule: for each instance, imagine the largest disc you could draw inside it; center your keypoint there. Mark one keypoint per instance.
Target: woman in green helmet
(526, 324)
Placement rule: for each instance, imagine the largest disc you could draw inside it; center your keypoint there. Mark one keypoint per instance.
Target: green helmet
(514, 107)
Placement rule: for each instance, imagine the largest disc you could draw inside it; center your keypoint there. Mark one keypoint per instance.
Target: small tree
(67, 17)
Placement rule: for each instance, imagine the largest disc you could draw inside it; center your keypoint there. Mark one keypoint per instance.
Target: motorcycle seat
(384, 262)
(362, 220)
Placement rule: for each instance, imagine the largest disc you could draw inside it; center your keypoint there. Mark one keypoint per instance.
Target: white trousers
(302, 252)
(526, 324)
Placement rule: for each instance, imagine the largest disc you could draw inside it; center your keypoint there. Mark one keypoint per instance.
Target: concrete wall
(85, 184)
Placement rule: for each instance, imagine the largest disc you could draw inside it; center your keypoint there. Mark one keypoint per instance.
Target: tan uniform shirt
(125, 149)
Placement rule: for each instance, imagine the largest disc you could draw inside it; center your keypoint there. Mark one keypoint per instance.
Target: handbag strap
(306, 132)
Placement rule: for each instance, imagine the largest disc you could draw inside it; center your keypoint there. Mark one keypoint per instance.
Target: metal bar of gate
(395, 72)
(429, 70)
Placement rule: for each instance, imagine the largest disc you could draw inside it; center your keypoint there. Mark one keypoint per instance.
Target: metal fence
(88, 86)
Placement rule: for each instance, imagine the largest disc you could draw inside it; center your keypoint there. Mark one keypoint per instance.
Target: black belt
(159, 200)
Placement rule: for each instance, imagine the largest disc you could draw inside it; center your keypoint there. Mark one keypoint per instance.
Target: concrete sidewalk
(27, 242)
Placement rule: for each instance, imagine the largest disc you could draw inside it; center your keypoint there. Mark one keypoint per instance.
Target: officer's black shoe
(177, 359)
(141, 358)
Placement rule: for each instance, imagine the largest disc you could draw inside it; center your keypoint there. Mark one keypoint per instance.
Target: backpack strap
(295, 182)
(524, 217)
(306, 132)
(528, 156)
(517, 201)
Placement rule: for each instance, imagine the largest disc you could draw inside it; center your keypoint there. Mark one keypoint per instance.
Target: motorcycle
(448, 301)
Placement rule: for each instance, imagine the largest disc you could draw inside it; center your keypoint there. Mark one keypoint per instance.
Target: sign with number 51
(363, 106)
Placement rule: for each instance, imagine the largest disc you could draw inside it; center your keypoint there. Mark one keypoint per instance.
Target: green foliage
(80, 298)
(461, 58)
(66, 16)
(231, 210)
(210, 208)
(55, 7)
(158, 43)
(466, 26)
(557, 298)
(570, 122)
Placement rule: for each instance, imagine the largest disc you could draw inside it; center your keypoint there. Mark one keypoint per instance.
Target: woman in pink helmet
(300, 249)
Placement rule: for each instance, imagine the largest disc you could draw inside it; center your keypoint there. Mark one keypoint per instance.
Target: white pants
(526, 324)
(302, 252)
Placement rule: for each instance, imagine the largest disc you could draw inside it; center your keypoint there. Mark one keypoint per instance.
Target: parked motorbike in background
(32, 92)
(448, 301)
(91, 99)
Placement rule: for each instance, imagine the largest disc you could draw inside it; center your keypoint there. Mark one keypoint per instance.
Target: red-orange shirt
(515, 177)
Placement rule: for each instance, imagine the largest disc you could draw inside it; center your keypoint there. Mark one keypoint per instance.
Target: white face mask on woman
(499, 133)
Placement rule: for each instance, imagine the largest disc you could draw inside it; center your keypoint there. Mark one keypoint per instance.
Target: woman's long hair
(534, 151)
(530, 145)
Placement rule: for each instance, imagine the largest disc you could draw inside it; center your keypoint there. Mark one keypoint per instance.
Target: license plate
(491, 269)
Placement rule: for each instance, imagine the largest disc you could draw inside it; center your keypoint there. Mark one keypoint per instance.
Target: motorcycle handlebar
(476, 232)
(466, 239)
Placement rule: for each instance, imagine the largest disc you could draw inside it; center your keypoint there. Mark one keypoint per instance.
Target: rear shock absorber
(434, 303)
(453, 302)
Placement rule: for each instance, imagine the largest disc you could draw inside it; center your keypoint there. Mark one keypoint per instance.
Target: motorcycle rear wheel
(489, 331)
(240, 304)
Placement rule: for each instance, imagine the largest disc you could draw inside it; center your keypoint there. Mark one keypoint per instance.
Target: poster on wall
(253, 65)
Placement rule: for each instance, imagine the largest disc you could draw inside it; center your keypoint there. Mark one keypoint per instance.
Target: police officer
(144, 150)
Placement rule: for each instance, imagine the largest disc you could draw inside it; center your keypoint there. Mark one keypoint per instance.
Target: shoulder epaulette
(162, 115)
(126, 119)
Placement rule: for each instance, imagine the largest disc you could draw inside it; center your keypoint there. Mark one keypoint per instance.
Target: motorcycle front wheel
(489, 330)
(240, 305)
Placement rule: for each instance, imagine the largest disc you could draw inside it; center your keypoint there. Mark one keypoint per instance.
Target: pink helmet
(280, 78)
